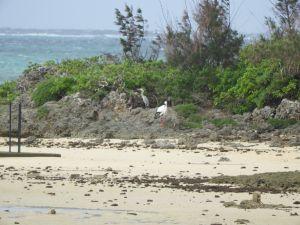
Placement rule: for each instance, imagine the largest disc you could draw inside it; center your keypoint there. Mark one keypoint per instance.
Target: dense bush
(269, 71)
(52, 89)
(285, 50)
(8, 92)
(186, 110)
(95, 79)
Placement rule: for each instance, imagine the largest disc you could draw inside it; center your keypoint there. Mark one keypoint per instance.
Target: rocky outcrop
(76, 116)
(263, 114)
(288, 110)
(32, 76)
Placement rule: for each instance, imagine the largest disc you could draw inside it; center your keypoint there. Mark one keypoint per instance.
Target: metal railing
(19, 127)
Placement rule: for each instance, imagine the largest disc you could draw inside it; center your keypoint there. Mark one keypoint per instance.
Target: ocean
(20, 47)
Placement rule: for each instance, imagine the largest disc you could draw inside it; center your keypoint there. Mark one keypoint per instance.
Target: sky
(247, 15)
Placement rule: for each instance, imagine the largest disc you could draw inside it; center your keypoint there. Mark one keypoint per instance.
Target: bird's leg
(161, 122)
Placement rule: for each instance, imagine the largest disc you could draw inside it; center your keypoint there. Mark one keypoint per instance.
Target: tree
(132, 29)
(287, 14)
(212, 43)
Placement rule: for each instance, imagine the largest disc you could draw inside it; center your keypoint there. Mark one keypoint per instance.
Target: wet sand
(97, 186)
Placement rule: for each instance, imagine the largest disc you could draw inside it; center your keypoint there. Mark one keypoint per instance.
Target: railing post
(9, 130)
(19, 127)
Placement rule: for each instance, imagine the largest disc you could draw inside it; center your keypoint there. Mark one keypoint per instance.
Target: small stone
(52, 212)
(242, 221)
(256, 197)
(224, 159)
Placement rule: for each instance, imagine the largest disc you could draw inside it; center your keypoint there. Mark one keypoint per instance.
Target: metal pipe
(19, 127)
(9, 132)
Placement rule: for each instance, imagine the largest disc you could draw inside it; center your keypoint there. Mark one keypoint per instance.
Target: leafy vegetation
(8, 92)
(42, 112)
(223, 122)
(189, 112)
(280, 123)
(132, 28)
(186, 110)
(52, 89)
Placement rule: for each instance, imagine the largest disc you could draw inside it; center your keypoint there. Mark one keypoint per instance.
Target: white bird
(144, 97)
(161, 112)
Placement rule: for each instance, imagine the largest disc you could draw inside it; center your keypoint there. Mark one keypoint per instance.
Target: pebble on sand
(52, 212)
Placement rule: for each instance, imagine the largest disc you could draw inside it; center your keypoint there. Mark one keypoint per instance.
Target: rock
(242, 221)
(31, 77)
(224, 159)
(251, 136)
(249, 204)
(93, 115)
(164, 144)
(276, 142)
(33, 174)
(52, 212)
(263, 114)
(256, 197)
(74, 176)
(225, 131)
(114, 204)
(294, 142)
(288, 110)
(230, 204)
(31, 140)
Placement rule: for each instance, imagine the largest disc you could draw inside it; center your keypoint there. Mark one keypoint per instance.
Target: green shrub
(268, 72)
(254, 86)
(42, 112)
(8, 92)
(223, 122)
(281, 123)
(190, 114)
(52, 89)
(186, 110)
(194, 121)
(285, 50)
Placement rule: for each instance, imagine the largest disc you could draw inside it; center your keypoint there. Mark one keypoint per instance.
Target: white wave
(112, 35)
(50, 35)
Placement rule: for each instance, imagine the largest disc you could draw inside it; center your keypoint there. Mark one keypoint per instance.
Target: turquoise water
(18, 48)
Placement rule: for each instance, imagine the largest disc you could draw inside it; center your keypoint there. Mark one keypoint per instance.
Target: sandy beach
(140, 185)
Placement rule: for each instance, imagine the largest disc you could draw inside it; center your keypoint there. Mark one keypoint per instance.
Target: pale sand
(169, 206)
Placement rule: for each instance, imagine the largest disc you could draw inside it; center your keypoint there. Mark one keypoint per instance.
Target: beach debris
(74, 176)
(254, 203)
(256, 197)
(224, 159)
(242, 221)
(114, 204)
(52, 211)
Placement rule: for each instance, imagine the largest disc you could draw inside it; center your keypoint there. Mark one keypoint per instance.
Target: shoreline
(136, 184)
